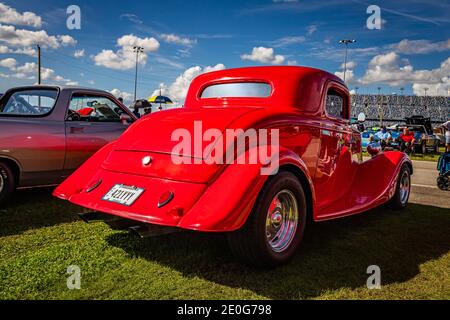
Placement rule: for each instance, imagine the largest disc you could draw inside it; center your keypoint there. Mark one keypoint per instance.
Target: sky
(182, 39)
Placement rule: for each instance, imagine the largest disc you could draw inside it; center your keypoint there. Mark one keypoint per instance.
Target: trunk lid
(154, 133)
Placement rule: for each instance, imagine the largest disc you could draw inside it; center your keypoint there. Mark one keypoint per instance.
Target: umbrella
(160, 100)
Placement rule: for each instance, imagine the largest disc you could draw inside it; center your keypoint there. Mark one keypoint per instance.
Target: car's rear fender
(83, 175)
(219, 211)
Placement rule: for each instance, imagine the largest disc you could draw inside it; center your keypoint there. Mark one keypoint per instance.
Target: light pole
(39, 64)
(137, 50)
(346, 42)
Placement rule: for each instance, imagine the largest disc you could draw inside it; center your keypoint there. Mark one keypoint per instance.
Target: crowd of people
(395, 108)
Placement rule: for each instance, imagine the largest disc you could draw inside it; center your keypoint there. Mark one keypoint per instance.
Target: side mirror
(361, 117)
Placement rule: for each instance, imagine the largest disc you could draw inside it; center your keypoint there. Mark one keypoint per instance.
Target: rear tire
(276, 225)
(7, 182)
(400, 199)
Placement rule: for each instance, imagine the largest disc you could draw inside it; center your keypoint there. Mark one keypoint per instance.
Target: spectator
(383, 136)
(148, 110)
(406, 140)
(446, 126)
(136, 112)
(120, 100)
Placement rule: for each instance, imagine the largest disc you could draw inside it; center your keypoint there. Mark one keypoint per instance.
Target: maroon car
(46, 132)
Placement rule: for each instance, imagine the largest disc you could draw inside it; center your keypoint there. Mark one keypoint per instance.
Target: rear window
(238, 90)
(34, 102)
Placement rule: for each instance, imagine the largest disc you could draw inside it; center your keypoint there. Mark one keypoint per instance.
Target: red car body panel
(325, 153)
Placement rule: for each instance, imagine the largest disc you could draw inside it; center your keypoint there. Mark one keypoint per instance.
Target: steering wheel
(73, 115)
(18, 104)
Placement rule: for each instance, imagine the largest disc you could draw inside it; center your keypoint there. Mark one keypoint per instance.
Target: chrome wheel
(282, 221)
(405, 184)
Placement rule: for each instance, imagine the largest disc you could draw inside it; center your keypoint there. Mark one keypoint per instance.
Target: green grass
(40, 238)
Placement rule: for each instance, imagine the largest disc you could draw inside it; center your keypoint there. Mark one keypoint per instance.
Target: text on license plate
(125, 195)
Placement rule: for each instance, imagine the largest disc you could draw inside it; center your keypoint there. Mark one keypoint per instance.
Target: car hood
(162, 131)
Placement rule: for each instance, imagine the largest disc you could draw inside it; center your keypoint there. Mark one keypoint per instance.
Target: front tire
(403, 190)
(276, 225)
(7, 182)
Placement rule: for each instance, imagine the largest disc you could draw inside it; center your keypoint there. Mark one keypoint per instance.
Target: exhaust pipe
(149, 230)
(143, 230)
(95, 216)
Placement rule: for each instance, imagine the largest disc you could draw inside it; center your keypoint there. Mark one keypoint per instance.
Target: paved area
(424, 188)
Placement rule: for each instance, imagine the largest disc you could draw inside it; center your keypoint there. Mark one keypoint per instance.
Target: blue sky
(185, 38)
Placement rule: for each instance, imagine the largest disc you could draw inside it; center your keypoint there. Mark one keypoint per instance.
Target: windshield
(34, 102)
(238, 90)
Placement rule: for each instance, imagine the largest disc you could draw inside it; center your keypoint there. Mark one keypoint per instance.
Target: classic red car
(44, 137)
(155, 176)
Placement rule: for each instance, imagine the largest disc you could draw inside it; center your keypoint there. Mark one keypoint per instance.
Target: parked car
(425, 140)
(152, 185)
(45, 136)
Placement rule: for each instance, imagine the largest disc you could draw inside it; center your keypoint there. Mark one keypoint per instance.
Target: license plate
(125, 195)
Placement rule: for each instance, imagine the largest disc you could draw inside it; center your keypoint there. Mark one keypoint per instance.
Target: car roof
(292, 86)
(60, 87)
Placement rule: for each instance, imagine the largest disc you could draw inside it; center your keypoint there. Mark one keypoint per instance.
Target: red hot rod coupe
(320, 173)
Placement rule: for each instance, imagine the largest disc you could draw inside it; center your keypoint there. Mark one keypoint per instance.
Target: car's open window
(29, 102)
(237, 90)
(336, 105)
(92, 108)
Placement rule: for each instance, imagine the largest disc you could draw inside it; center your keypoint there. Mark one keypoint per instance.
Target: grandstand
(393, 109)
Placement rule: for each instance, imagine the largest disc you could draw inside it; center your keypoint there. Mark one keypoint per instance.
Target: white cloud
(127, 97)
(8, 63)
(177, 91)
(29, 71)
(311, 29)
(125, 58)
(350, 65)
(264, 55)
(292, 63)
(420, 46)
(26, 51)
(349, 74)
(169, 62)
(26, 38)
(286, 41)
(79, 53)
(172, 38)
(11, 16)
(390, 69)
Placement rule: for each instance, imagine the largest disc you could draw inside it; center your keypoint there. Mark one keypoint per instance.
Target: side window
(94, 109)
(336, 105)
(33, 102)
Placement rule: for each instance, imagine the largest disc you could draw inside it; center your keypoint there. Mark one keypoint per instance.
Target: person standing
(446, 126)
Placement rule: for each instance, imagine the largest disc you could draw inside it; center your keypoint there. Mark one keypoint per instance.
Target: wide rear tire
(275, 227)
(403, 189)
(7, 182)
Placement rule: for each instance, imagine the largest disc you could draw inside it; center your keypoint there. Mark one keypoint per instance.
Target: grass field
(40, 237)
